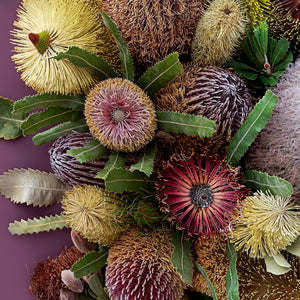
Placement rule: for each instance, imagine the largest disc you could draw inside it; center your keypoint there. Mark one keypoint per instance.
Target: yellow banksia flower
(258, 10)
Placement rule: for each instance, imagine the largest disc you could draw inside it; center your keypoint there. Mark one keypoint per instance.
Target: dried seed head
(82, 244)
(73, 284)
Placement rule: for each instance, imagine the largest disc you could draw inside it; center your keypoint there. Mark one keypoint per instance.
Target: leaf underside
(277, 264)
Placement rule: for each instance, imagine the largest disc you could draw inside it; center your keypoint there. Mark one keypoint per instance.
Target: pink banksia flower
(199, 194)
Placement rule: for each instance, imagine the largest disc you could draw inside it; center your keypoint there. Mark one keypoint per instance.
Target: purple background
(20, 254)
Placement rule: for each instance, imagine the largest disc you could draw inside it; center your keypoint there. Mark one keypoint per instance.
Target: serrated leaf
(126, 60)
(261, 34)
(160, 74)
(59, 130)
(181, 256)
(30, 103)
(294, 248)
(96, 286)
(95, 64)
(232, 284)
(10, 124)
(145, 160)
(211, 287)
(115, 160)
(273, 267)
(48, 117)
(91, 262)
(31, 187)
(121, 180)
(281, 48)
(37, 225)
(266, 183)
(176, 122)
(256, 121)
(93, 150)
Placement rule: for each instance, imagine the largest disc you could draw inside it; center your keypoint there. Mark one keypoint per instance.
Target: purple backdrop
(20, 254)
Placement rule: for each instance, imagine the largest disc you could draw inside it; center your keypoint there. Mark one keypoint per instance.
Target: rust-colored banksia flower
(120, 115)
(139, 267)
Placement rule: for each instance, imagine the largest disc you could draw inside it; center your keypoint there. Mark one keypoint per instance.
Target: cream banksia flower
(46, 27)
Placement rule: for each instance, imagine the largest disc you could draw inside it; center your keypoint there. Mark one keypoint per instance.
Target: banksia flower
(139, 267)
(212, 257)
(266, 224)
(258, 10)
(219, 32)
(46, 27)
(67, 168)
(120, 115)
(199, 194)
(92, 212)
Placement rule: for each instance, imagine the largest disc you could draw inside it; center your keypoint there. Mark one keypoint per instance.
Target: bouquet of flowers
(173, 130)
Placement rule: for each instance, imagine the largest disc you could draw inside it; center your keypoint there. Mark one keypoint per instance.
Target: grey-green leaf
(95, 64)
(181, 256)
(256, 121)
(176, 122)
(266, 183)
(96, 286)
(232, 284)
(37, 225)
(277, 265)
(160, 74)
(294, 248)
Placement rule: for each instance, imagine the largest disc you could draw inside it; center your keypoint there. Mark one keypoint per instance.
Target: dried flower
(139, 267)
(46, 27)
(219, 32)
(199, 194)
(73, 284)
(258, 10)
(266, 224)
(92, 212)
(67, 295)
(82, 244)
(120, 115)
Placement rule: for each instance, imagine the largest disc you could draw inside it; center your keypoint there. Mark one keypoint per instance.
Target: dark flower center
(227, 11)
(201, 195)
(118, 115)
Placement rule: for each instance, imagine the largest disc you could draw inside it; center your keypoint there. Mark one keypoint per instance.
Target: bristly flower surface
(258, 10)
(199, 194)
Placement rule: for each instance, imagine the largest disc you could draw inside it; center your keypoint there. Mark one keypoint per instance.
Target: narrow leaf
(273, 267)
(160, 74)
(261, 34)
(294, 248)
(96, 286)
(177, 122)
(120, 180)
(285, 62)
(145, 161)
(181, 256)
(232, 284)
(93, 150)
(37, 225)
(266, 183)
(95, 64)
(126, 60)
(31, 187)
(281, 48)
(256, 121)
(115, 160)
(59, 130)
(91, 262)
(10, 124)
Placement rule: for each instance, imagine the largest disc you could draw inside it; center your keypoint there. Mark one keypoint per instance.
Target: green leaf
(277, 264)
(181, 256)
(48, 117)
(176, 122)
(145, 160)
(256, 121)
(285, 62)
(115, 160)
(59, 130)
(93, 150)
(211, 288)
(232, 284)
(266, 183)
(261, 34)
(97, 287)
(247, 49)
(91, 262)
(121, 180)
(37, 225)
(294, 248)
(10, 124)
(160, 74)
(95, 64)
(126, 60)
(281, 48)
(257, 50)
(30, 103)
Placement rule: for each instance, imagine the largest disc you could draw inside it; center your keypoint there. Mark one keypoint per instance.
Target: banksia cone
(219, 32)
(258, 10)
(139, 267)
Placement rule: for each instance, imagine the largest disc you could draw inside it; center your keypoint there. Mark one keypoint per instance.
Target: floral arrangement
(173, 130)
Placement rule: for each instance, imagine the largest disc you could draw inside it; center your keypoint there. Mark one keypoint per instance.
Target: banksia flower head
(266, 224)
(46, 27)
(199, 194)
(139, 267)
(219, 32)
(92, 212)
(258, 10)
(120, 115)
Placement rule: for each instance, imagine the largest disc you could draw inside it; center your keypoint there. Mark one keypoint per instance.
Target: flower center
(227, 11)
(118, 115)
(201, 195)
(40, 40)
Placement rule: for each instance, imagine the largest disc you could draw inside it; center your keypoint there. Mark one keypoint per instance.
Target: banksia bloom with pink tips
(199, 194)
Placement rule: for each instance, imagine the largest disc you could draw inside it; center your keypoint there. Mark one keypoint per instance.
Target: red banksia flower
(199, 194)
